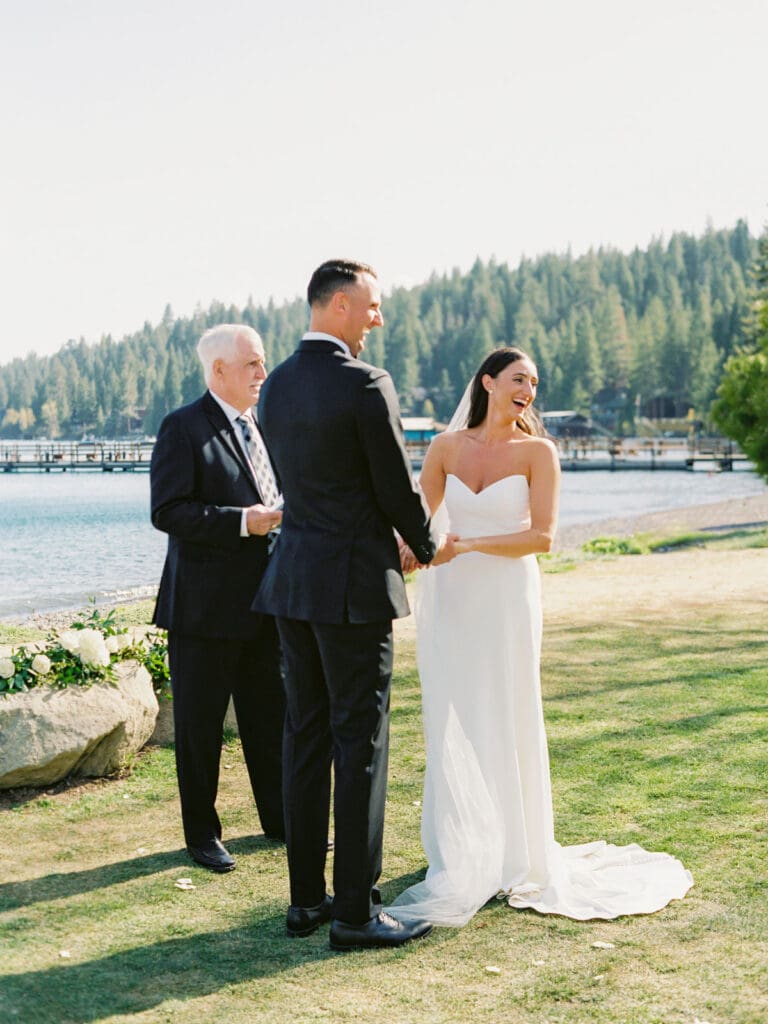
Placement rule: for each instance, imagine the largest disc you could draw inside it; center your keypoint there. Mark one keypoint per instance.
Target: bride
(487, 824)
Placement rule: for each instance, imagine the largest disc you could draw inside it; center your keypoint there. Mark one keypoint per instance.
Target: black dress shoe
(303, 921)
(378, 933)
(211, 854)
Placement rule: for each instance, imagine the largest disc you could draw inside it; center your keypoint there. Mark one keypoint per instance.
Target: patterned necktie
(257, 453)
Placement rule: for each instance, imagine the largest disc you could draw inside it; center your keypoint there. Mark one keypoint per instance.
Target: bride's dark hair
(493, 364)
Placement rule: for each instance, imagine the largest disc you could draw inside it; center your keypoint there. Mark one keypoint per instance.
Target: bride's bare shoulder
(542, 448)
(449, 440)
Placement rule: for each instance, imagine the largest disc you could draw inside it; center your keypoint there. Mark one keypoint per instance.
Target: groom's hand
(260, 519)
(446, 549)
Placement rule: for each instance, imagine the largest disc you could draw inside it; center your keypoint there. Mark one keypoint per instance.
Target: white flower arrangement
(81, 655)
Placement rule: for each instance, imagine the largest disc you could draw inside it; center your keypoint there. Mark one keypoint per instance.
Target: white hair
(220, 342)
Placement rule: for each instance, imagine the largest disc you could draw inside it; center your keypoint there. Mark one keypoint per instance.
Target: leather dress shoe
(379, 932)
(303, 921)
(212, 854)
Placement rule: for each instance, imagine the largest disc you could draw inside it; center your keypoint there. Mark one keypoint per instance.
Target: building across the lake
(568, 423)
(419, 429)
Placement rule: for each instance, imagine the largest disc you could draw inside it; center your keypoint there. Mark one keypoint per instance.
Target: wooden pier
(575, 454)
(71, 456)
(714, 456)
(614, 455)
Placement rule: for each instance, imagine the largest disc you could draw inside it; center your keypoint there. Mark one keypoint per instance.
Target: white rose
(7, 668)
(70, 640)
(6, 651)
(112, 644)
(92, 649)
(124, 640)
(41, 664)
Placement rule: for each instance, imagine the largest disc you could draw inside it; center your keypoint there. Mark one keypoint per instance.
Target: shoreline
(715, 517)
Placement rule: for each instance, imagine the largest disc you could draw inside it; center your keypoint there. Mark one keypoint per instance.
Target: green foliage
(613, 334)
(153, 654)
(63, 667)
(84, 654)
(741, 410)
(16, 673)
(68, 668)
(614, 546)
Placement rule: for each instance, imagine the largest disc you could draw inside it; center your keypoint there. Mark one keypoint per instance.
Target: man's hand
(408, 561)
(446, 549)
(260, 520)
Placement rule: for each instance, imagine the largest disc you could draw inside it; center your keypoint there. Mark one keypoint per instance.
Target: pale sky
(181, 151)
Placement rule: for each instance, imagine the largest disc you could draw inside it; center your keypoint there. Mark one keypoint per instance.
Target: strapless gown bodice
(501, 507)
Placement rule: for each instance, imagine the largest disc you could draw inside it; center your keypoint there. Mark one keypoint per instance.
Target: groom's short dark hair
(333, 276)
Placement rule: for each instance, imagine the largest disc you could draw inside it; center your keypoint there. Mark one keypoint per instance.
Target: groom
(331, 423)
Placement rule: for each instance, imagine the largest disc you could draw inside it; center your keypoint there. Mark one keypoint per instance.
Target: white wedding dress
(487, 824)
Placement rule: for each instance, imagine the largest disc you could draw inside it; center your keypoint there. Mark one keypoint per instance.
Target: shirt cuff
(244, 523)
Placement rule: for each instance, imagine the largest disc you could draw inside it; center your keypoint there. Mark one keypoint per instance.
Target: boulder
(163, 735)
(48, 734)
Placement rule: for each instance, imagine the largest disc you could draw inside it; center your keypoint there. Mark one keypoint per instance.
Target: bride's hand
(446, 550)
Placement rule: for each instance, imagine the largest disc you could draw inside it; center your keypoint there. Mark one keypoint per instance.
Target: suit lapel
(226, 433)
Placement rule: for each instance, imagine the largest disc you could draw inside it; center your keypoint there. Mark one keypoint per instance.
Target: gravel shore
(722, 515)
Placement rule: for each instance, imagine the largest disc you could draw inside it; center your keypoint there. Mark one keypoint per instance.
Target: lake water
(67, 537)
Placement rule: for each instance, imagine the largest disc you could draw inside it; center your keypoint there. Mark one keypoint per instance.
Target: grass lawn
(658, 735)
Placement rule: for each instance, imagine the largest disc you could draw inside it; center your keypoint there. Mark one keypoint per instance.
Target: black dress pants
(338, 680)
(205, 672)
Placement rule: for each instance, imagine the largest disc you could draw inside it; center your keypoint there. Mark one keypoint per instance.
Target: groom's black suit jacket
(332, 426)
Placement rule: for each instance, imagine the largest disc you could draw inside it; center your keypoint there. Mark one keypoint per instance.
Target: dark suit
(332, 427)
(217, 646)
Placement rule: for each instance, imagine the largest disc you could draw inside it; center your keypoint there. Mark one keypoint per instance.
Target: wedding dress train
(487, 824)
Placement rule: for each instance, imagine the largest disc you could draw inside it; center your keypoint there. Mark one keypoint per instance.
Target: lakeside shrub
(614, 546)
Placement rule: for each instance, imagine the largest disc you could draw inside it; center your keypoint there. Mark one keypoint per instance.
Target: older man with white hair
(215, 495)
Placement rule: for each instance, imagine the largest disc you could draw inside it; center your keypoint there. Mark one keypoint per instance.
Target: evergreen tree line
(613, 334)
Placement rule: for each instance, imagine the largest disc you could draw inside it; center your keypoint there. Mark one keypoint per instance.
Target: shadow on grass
(136, 980)
(62, 885)
(635, 656)
(562, 747)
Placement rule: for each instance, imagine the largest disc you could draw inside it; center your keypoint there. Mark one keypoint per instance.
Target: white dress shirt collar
(229, 411)
(322, 336)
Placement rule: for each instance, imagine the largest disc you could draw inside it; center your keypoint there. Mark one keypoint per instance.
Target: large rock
(47, 734)
(164, 733)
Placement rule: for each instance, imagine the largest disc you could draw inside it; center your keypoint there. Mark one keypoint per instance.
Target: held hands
(260, 520)
(447, 549)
